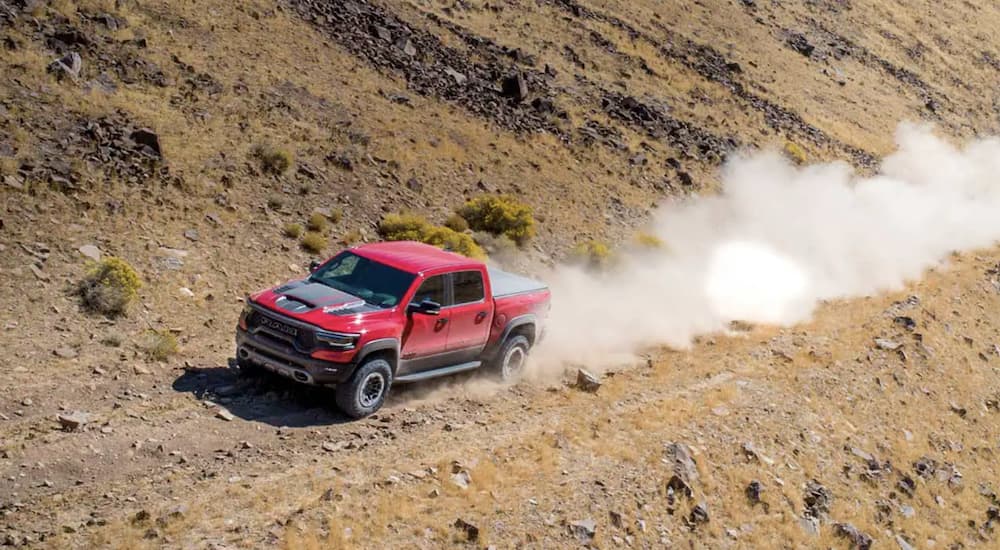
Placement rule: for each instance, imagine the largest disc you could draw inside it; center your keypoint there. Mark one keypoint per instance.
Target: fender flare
(375, 346)
(516, 322)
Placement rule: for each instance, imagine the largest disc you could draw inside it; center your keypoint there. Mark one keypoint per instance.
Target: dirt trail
(824, 402)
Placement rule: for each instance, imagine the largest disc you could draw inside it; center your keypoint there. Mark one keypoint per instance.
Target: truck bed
(509, 284)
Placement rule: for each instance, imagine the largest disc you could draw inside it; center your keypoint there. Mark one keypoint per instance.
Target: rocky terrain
(133, 129)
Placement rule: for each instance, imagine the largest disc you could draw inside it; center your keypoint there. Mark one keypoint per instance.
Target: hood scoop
(304, 296)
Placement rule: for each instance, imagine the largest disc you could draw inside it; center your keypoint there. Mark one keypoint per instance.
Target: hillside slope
(148, 146)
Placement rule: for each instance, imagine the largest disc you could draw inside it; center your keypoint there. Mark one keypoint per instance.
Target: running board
(444, 371)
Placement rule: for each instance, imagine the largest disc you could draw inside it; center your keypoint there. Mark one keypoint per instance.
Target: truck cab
(389, 313)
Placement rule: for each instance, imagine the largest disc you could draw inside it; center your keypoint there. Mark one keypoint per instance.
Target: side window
(468, 287)
(432, 289)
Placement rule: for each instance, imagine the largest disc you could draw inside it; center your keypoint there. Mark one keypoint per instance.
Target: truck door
(471, 314)
(426, 336)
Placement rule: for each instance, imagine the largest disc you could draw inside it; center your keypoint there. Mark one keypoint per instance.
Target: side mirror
(314, 265)
(427, 307)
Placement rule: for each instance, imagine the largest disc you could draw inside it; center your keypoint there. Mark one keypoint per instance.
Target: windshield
(375, 283)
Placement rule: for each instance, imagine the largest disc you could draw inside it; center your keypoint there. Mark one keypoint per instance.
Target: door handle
(440, 324)
(480, 316)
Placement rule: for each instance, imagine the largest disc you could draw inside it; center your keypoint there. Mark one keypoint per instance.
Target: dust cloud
(774, 243)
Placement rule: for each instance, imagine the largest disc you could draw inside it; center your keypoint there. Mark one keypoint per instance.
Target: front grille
(301, 338)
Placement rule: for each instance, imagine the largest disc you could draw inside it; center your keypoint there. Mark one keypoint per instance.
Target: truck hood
(314, 303)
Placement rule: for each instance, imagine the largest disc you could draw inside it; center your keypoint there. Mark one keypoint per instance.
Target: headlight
(245, 315)
(338, 340)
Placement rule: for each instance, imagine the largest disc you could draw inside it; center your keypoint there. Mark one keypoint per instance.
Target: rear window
(469, 287)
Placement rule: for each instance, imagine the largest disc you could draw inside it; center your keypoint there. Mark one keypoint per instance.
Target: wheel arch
(387, 348)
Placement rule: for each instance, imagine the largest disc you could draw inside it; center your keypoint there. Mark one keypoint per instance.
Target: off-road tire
(509, 361)
(365, 392)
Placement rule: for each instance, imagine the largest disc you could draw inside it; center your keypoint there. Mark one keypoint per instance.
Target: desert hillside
(195, 139)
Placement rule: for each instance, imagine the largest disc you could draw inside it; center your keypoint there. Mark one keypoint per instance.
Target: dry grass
(161, 344)
(292, 230)
(317, 222)
(314, 242)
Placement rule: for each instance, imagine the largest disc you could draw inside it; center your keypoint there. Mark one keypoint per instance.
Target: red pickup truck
(389, 313)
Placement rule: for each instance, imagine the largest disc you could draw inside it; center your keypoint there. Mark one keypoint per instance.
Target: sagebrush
(110, 287)
(500, 215)
(412, 227)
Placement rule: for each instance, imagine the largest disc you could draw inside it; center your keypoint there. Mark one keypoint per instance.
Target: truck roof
(415, 257)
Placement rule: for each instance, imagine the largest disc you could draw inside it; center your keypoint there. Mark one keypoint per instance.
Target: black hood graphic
(303, 296)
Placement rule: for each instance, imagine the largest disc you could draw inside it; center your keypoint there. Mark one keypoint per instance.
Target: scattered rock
(13, 183)
(817, 500)
(906, 322)
(224, 414)
(65, 352)
(906, 485)
(67, 66)
(753, 490)
(925, 467)
(415, 185)
(858, 540)
(74, 420)
(698, 515)
(185, 291)
(406, 45)
(38, 273)
(753, 453)
(191, 234)
(461, 479)
(470, 530)
(90, 251)
(584, 530)
(459, 78)
(587, 382)
(27, 402)
(903, 544)
(148, 140)
(684, 471)
(810, 525)
(515, 87)
(887, 345)
(800, 43)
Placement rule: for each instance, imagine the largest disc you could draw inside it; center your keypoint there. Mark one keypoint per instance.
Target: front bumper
(288, 362)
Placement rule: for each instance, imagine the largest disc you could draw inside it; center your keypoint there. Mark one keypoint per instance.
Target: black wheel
(509, 362)
(365, 392)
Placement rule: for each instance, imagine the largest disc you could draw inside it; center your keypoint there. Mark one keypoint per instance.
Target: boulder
(67, 66)
(515, 87)
(147, 139)
(587, 381)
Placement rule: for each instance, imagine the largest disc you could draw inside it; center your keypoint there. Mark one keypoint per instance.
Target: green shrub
(648, 240)
(293, 230)
(314, 242)
(456, 223)
(272, 159)
(411, 227)
(594, 254)
(161, 344)
(317, 222)
(500, 215)
(795, 152)
(109, 287)
(403, 227)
